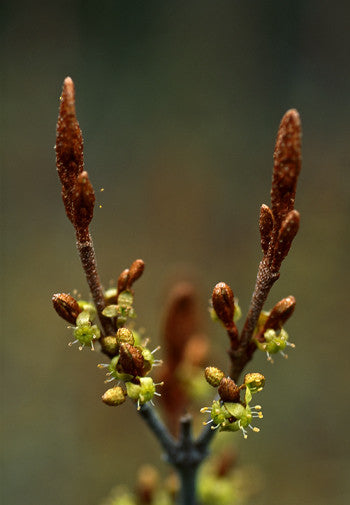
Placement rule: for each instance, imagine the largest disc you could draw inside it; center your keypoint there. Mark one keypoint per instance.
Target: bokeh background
(179, 103)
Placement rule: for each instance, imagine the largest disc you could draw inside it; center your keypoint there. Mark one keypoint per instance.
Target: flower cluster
(230, 412)
(131, 360)
(269, 335)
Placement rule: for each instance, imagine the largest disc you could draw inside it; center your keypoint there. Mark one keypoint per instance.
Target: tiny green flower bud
(274, 342)
(109, 345)
(213, 376)
(83, 318)
(223, 303)
(125, 299)
(88, 307)
(218, 413)
(228, 390)
(66, 307)
(111, 296)
(133, 390)
(143, 392)
(86, 334)
(148, 389)
(110, 311)
(114, 396)
(254, 381)
(125, 336)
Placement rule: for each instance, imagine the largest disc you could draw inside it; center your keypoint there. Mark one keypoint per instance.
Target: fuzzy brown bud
(289, 229)
(69, 140)
(280, 313)
(228, 390)
(213, 376)
(66, 307)
(83, 198)
(287, 165)
(265, 227)
(131, 360)
(223, 303)
(135, 271)
(114, 396)
(125, 336)
(123, 281)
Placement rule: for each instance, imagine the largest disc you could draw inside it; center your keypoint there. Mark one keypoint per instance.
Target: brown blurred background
(179, 103)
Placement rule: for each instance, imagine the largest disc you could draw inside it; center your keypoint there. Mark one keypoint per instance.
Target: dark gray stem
(187, 462)
(161, 432)
(185, 454)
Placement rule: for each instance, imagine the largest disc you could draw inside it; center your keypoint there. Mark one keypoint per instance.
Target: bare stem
(264, 282)
(87, 256)
(159, 429)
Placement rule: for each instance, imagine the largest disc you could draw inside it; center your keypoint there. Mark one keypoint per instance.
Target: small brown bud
(123, 281)
(280, 313)
(135, 271)
(223, 303)
(83, 198)
(228, 390)
(109, 345)
(66, 307)
(213, 376)
(125, 336)
(265, 227)
(289, 229)
(114, 396)
(131, 360)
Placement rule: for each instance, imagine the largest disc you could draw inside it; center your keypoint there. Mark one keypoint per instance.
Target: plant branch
(159, 429)
(87, 256)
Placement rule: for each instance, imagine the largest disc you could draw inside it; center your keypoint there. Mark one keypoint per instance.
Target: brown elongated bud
(66, 307)
(109, 345)
(114, 396)
(287, 165)
(83, 198)
(265, 227)
(135, 271)
(289, 229)
(147, 482)
(225, 463)
(213, 376)
(228, 390)
(196, 350)
(123, 281)
(280, 313)
(69, 139)
(131, 360)
(223, 303)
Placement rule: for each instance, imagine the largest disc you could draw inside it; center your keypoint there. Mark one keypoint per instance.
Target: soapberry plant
(108, 320)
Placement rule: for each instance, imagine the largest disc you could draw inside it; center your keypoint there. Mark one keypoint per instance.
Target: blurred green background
(179, 103)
